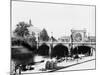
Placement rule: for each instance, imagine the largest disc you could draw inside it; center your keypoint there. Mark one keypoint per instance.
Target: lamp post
(52, 37)
(51, 45)
(37, 39)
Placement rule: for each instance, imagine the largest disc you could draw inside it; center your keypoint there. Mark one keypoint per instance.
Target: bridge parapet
(67, 44)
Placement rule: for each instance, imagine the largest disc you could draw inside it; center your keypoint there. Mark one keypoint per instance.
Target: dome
(34, 29)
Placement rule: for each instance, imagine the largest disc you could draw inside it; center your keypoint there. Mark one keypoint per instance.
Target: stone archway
(43, 50)
(60, 51)
(85, 50)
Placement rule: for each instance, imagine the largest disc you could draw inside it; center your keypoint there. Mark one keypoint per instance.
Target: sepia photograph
(52, 37)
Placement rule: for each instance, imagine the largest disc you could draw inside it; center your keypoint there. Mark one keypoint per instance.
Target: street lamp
(52, 37)
(37, 39)
(51, 45)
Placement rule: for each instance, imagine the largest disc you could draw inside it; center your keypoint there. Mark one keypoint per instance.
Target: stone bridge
(77, 39)
(68, 45)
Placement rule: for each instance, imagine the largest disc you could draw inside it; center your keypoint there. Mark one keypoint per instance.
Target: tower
(78, 35)
(30, 22)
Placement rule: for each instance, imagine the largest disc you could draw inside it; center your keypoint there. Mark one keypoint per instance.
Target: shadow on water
(22, 52)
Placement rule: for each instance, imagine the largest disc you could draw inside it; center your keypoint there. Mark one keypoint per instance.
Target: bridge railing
(68, 42)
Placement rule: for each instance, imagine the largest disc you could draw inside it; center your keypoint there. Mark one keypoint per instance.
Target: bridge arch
(43, 50)
(86, 50)
(60, 51)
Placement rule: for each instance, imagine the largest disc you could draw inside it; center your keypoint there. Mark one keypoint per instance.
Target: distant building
(32, 29)
(64, 39)
(53, 39)
(92, 38)
(78, 35)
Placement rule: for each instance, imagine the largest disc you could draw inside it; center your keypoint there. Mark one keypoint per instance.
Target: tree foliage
(44, 35)
(23, 32)
(21, 29)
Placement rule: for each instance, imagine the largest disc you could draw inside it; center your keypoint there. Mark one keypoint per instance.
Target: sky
(56, 18)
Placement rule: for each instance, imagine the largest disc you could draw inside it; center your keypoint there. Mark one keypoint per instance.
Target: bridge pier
(50, 50)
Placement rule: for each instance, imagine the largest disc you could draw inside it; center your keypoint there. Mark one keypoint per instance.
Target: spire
(30, 23)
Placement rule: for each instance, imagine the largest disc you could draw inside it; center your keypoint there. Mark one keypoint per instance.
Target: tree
(44, 35)
(21, 29)
(31, 41)
(23, 35)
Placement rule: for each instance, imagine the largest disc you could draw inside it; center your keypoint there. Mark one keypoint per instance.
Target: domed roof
(34, 29)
